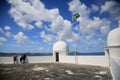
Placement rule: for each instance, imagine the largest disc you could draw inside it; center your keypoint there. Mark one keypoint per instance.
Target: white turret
(60, 48)
(113, 49)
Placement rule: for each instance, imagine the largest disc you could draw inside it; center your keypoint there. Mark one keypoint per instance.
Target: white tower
(113, 49)
(60, 48)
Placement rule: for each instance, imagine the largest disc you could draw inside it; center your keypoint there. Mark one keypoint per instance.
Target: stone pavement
(53, 71)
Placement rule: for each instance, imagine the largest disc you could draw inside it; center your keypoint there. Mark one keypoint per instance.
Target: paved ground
(53, 71)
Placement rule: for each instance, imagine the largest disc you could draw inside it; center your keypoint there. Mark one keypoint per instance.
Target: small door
(57, 56)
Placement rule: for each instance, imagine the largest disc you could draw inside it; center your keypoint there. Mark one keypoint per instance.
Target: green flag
(75, 16)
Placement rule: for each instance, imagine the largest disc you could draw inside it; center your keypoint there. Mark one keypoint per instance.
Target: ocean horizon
(50, 54)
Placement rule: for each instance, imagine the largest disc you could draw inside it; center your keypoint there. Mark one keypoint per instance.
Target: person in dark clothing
(15, 58)
(21, 58)
(24, 58)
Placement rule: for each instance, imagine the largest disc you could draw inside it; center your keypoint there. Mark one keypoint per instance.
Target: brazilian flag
(75, 16)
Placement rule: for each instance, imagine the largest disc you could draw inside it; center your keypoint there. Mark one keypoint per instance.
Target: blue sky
(35, 25)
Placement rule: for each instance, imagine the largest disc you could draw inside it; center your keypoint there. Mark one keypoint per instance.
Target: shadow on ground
(53, 71)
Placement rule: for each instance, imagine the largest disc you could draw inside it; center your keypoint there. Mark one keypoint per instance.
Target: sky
(35, 25)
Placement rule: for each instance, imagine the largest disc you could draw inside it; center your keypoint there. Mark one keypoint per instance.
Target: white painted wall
(67, 59)
(114, 56)
(30, 59)
(114, 52)
(95, 60)
(115, 68)
(40, 59)
(86, 60)
(6, 60)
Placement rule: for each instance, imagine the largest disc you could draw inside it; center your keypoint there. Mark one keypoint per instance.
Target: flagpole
(76, 60)
(75, 46)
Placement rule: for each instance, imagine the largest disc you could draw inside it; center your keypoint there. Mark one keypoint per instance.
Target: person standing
(21, 58)
(14, 58)
(24, 58)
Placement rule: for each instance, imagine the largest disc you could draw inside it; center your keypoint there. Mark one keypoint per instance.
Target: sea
(50, 54)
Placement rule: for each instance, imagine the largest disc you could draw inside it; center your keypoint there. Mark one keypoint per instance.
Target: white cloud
(77, 6)
(7, 28)
(76, 28)
(24, 25)
(113, 8)
(108, 5)
(24, 13)
(67, 33)
(88, 27)
(41, 48)
(36, 12)
(20, 38)
(105, 30)
(94, 7)
(1, 30)
(33, 42)
(8, 34)
(57, 24)
(90, 36)
(47, 37)
(39, 24)
(2, 39)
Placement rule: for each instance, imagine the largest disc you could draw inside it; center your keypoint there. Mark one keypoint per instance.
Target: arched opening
(57, 56)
